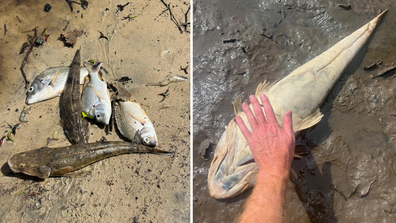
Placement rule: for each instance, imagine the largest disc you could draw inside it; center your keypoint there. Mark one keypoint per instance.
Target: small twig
(373, 65)
(384, 71)
(31, 42)
(5, 29)
(164, 95)
(121, 7)
(346, 7)
(184, 69)
(31, 194)
(229, 40)
(103, 36)
(18, 19)
(2, 140)
(70, 5)
(172, 17)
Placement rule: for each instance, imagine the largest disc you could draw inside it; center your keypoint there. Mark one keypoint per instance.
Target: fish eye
(98, 116)
(22, 165)
(31, 89)
(146, 140)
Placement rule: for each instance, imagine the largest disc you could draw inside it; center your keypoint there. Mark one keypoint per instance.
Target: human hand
(272, 147)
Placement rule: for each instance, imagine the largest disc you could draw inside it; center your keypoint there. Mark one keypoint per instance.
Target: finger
(257, 110)
(250, 116)
(269, 112)
(245, 131)
(288, 123)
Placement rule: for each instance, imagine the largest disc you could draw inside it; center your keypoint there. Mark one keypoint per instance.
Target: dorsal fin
(55, 76)
(237, 105)
(263, 88)
(309, 121)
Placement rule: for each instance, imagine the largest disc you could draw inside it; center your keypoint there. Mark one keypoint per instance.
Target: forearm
(265, 204)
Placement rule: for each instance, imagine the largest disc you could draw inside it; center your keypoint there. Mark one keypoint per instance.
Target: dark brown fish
(46, 162)
(76, 129)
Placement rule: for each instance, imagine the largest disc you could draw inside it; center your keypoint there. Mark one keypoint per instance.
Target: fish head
(103, 114)
(30, 163)
(147, 135)
(36, 92)
(233, 169)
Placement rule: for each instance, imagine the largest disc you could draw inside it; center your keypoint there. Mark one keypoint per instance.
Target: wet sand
(126, 188)
(354, 142)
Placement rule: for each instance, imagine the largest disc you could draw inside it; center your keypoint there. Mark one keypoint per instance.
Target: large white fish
(233, 169)
(50, 84)
(95, 97)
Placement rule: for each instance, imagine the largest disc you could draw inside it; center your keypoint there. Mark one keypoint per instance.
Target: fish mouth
(11, 165)
(230, 174)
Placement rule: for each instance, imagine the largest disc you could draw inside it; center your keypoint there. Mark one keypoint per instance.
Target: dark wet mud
(237, 45)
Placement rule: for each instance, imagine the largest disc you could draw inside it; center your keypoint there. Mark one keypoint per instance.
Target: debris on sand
(373, 65)
(103, 36)
(70, 37)
(365, 190)
(385, 71)
(203, 147)
(346, 7)
(171, 78)
(121, 7)
(47, 7)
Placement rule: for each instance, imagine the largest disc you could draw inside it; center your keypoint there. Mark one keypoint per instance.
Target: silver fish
(50, 84)
(95, 97)
(233, 169)
(132, 121)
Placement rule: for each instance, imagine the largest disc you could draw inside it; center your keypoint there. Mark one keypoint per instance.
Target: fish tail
(147, 149)
(93, 68)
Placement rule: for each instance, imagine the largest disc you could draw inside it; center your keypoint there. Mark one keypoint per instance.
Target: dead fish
(96, 98)
(47, 162)
(75, 128)
(233, 169)
(50, 84)
(132, 121)
(171, 78)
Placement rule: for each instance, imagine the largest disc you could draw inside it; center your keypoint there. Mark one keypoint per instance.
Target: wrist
(279, 178)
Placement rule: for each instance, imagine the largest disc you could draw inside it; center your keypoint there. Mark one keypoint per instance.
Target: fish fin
(43, 172)
(55, 76)
(309, 121)
(263, 88)
(77, 173)
(141, 120)
(238, 105)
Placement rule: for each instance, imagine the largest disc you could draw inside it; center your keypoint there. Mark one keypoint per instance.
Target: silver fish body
(95, 97)
(42, 89)
(134, 124)
(233, 169)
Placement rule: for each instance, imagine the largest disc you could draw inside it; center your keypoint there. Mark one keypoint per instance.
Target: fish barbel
(50, 84)
(96, 98)
(46, 162)
(233, 169)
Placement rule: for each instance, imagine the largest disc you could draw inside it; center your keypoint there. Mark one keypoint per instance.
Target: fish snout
(148, 137)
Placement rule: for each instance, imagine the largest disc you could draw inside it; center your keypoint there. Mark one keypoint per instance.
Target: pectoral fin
(55, 76)
(238, 105)
(43, 172)
(264, 87)
(309, 121)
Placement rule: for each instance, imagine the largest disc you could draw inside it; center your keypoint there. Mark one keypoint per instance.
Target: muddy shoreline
(354, 142)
